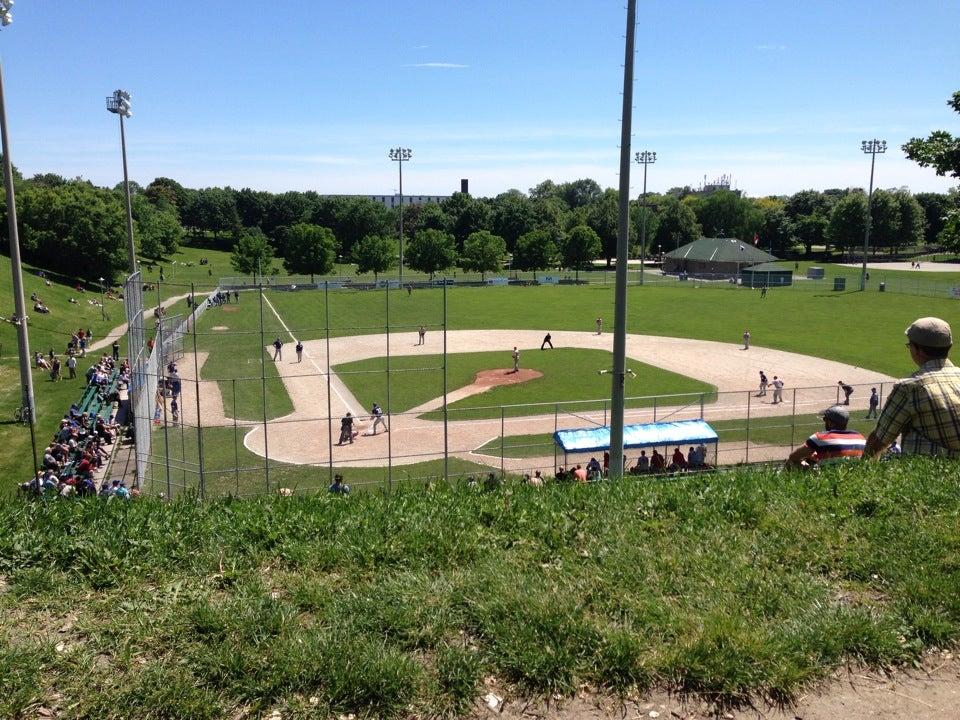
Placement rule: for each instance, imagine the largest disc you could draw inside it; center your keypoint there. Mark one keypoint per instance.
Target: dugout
(766, 275)
(682, 433)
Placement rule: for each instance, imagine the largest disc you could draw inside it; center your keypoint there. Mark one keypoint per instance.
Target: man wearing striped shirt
(925, 407)
(835, 443)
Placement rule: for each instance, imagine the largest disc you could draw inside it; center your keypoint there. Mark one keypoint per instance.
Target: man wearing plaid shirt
(926, 406)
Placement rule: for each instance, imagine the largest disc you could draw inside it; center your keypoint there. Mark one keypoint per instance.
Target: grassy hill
(734, 587)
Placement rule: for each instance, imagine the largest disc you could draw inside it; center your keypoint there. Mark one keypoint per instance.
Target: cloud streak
(439, 65)
(769, 47)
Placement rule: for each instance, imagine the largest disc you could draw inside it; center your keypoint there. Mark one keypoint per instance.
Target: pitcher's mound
(505, 376)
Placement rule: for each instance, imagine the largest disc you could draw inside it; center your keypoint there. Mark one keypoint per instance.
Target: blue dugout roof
(681, 432)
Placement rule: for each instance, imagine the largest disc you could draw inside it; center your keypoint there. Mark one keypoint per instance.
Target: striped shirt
(836, 445)
(925, 407)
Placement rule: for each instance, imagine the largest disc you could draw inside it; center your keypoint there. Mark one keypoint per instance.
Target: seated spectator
(561, 474)
(835, 443)
(657, 462)
(593, 466)
(643, 464)
(120, 490)
(339, 487)
(579, 474)
(678, 461)
(41, 362)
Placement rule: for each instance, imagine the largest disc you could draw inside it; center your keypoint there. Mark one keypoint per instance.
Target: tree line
(77, 228)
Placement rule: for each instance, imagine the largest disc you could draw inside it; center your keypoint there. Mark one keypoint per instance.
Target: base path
(303, 436)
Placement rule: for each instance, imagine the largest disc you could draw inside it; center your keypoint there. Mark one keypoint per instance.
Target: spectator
(925, 406)
(643, 464)
(678, 461)
(834, 443)
(657, 462)
(579, 474)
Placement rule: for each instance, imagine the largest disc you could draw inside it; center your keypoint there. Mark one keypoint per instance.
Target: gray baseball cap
(837, 412)
(930, 332)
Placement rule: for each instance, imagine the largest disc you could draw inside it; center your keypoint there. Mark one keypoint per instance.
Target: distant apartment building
(392, 201)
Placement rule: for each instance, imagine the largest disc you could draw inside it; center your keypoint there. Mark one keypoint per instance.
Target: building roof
(721, 250)
(768, 268)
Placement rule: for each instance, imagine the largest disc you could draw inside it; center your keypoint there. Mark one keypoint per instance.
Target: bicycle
(22, 414)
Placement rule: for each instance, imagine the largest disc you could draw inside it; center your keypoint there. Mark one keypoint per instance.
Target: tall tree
(483, 252)
(158, 230)
(535, 250)
(912, 221)
(376, 254)
(724, 213)
(252, 253)
(939, 150)
(580, 193)
(603, 216)
(884, 221)
(935, 206)
(847, 225)
(582, 245)
(75, 229)
(431, 251)
(513, 215)
(467, 215)
(310, 250)
(677, 225)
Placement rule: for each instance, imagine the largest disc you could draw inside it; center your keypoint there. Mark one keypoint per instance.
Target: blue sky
(311, 95)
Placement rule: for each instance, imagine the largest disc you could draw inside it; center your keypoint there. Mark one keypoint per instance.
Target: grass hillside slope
(734, 587)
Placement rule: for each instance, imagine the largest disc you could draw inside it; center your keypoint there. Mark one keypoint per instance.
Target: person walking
(377, 414)
(277, 349)
(599, 325)
(72, 366)
(777, 390)
(874, 403)
(516, 359)
(746, 339)
(923, 407)
(546, 341)
(115, 348)
(847, 391)
(299, 349)
(55, 369)
(423, 333)
(763, 384)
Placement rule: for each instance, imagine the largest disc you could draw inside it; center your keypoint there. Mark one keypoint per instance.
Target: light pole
(401, 155)
(119, 104)
(644, 158)
(103, 312)
(23, 338)
(623, 244)
(872, 147)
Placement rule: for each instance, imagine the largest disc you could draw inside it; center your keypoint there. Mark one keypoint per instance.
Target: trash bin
(839, 283)
(883, 287)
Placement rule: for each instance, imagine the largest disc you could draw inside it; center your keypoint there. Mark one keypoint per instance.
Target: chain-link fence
(241, 417)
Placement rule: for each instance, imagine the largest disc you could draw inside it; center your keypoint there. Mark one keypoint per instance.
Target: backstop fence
(243, 418)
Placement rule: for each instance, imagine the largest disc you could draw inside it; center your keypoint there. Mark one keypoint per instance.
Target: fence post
(746, 447)
(793, 419)
(263, 388)
(604, 412)
(501, 441)
(389, 436)
(326, 321)
(236, 445)
(654, 408)
(701, 406)
(196, 375)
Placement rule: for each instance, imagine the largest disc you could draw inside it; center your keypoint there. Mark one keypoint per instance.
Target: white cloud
(769, 47)
(440, 65)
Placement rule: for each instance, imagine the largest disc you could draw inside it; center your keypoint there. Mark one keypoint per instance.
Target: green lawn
(863, 329)
(568, 374)
(737, 588)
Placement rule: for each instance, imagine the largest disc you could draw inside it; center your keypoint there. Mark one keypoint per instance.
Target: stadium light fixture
(872, 148)
(644, 158)
(400, 155)
(119, 104)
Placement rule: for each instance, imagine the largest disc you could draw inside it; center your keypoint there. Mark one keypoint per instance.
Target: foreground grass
(732, 587)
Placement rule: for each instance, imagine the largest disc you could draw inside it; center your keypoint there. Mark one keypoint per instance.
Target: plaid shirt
(926, 408)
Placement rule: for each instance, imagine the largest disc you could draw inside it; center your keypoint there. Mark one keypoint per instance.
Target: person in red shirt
(678, 461)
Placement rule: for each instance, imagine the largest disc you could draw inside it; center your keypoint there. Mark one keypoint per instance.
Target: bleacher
(94, 402)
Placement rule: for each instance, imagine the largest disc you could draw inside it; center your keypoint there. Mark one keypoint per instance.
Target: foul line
(318, 368)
